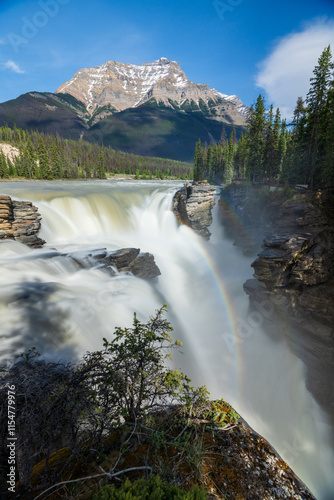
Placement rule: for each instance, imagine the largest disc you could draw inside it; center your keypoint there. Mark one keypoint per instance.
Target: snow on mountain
(116, 86)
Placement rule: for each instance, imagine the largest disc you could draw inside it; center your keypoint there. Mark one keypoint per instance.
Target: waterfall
(47, 301)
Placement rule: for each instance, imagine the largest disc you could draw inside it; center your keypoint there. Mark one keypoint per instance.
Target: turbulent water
(46, 301)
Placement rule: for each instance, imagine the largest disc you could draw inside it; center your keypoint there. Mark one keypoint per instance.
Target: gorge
(63, 309)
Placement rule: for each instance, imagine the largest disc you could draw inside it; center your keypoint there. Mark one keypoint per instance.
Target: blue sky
(241, 47)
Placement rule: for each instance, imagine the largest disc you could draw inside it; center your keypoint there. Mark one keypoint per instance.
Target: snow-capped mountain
(114, 87)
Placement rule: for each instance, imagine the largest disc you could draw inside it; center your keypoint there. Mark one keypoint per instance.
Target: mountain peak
(116, 86)
(161, 61)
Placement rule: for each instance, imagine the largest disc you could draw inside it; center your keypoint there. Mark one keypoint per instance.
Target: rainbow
(231, 333)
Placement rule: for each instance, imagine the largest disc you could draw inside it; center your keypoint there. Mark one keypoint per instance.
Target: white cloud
(13, 67)
(285, 74)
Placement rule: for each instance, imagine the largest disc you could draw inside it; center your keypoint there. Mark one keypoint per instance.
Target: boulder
(132, 260)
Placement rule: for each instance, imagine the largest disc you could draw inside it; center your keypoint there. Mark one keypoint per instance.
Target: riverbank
(115, 177)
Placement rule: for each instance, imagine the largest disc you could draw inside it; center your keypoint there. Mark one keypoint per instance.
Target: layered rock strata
(20, 220)
(192, 206)
(297, 264)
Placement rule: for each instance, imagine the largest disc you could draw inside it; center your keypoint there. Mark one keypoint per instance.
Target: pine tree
(299, 111)
(223, 137)
(229, 172)
(257, 123)
(281, 148)
(29, 165)
(43, 159)
(11, 168)
(241, 157)
(214, 177)
(294, 165)
(276, 164)
(198, 161)
(328, 160)
(208, 162)
(3, 166)
(317, 99)
(268, 153)
(55, 160)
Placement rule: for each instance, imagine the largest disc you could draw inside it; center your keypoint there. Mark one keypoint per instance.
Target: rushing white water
(48, 302)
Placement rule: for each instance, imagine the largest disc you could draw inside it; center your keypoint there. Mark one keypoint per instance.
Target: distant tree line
(270, 150)
(52, 157)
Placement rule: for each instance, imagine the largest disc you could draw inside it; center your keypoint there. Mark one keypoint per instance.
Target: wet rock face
(293, 285)
(20, 220)
(132, 260)
(297, 265)
(192, 206)
(296, 259)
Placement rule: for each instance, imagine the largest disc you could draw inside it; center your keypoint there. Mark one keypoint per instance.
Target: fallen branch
(93, 477)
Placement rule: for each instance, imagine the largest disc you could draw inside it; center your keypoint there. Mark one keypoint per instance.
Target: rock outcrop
(297, 260)
(192, 206)
(9, 151)
(132, 260)
(20, 220)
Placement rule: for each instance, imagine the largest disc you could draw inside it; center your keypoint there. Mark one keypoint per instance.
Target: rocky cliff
(20, 220)
(192, 206)
(297, 261)
(114, 87)
(293, 285)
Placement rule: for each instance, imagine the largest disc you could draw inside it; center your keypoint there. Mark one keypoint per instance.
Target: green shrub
(129, 379)
(151, 489)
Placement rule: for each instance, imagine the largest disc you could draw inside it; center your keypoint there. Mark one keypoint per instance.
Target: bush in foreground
(97, 418)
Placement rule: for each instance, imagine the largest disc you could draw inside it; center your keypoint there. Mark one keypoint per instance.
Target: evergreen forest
(52, 157)
(272, 150)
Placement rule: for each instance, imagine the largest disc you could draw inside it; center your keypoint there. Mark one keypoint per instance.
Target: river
(48, 302)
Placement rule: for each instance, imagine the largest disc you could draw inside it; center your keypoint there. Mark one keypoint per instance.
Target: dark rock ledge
(132, 260)
(192, 206)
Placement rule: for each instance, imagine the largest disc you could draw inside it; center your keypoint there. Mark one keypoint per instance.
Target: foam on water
(47, 301)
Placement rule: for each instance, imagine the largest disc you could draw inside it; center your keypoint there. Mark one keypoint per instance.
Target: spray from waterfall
(49, 302)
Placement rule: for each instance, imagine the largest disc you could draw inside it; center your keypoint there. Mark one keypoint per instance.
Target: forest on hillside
(272, 150)
(52, 157)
